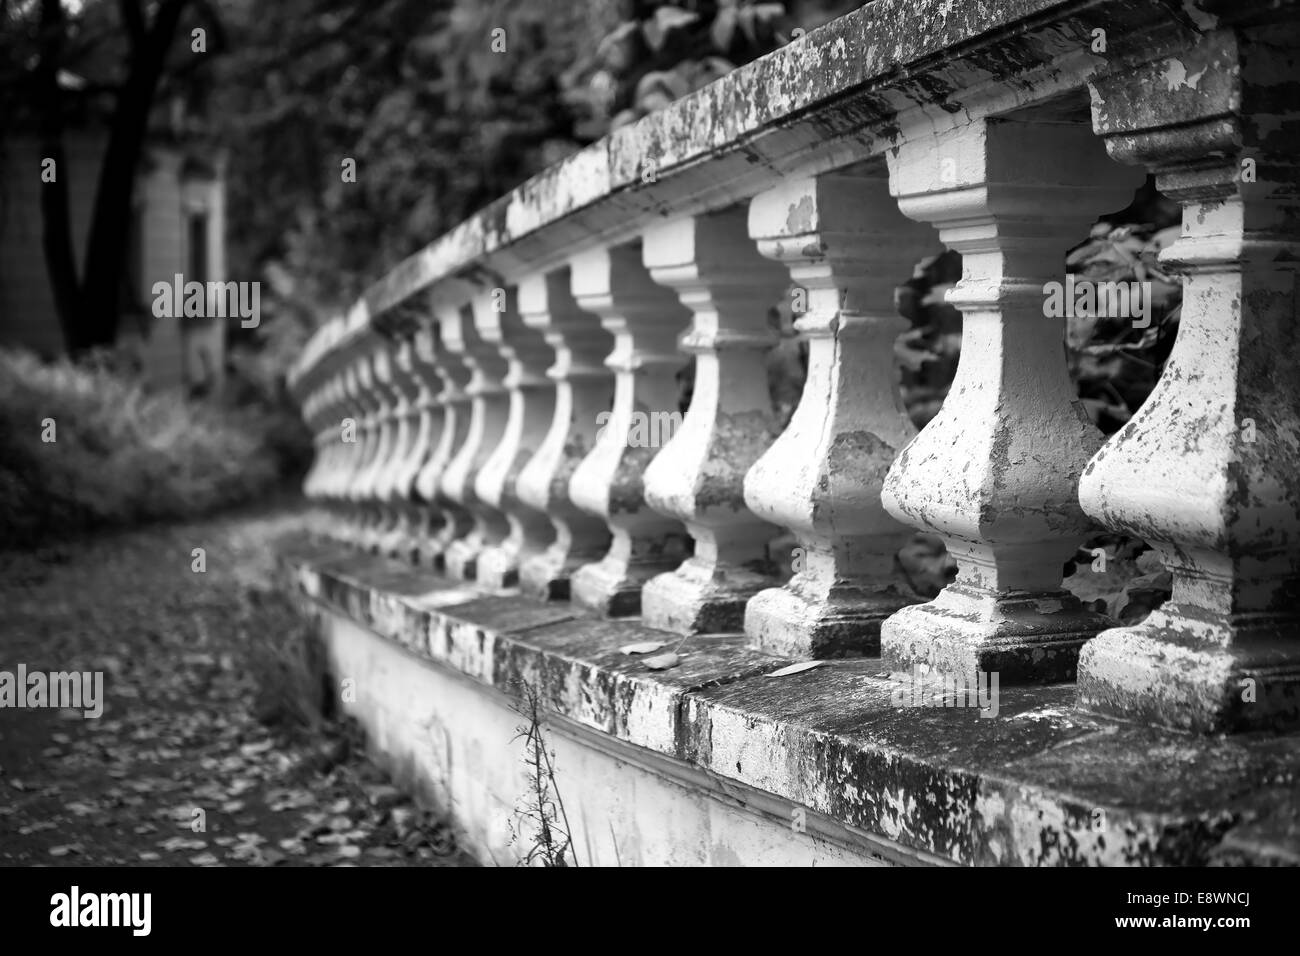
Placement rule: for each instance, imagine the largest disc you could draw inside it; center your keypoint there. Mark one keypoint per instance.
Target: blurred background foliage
(438, 117)
(84, 446)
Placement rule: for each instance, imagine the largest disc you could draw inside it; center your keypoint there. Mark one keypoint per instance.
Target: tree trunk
(56, 235)
(99, 302)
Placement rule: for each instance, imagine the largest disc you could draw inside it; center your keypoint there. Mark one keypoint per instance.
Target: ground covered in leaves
(198, 759)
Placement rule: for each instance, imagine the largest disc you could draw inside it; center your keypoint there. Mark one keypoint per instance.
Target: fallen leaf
(174, 844)
(644, 647)
(661, 662)
(796, 668)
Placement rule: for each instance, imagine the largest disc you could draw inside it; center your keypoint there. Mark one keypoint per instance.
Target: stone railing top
(840, 93)
(1033, 785)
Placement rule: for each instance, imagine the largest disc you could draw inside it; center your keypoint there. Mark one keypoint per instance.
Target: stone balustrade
(575, 406)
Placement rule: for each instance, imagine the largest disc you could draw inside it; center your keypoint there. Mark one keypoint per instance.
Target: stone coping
(1039, 784)
(838, 95)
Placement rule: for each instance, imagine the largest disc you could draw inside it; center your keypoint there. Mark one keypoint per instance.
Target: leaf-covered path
(188, 764)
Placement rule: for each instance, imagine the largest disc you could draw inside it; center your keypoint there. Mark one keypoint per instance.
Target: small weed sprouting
(541, 817)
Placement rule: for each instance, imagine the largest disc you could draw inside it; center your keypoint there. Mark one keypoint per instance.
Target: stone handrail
(477, 410)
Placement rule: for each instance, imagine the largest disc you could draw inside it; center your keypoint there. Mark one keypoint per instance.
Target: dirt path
(181, 768)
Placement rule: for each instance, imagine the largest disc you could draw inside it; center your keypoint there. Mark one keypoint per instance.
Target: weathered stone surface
(1036, 783)
(573, 661)
(456, 744)
(1034, 786)
(581, 674)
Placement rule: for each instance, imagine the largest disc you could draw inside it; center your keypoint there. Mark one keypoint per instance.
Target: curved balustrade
(524, 428)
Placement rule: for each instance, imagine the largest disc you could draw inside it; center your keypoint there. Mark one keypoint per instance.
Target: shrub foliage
(119, 455)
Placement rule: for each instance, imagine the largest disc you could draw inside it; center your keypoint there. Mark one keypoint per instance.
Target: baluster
(698, 476)
(584, 388)
(364, 489)
(327, 413)
(531, 409)
(1208, 470)
(310, 390)
(448, 520)
(847, 248)
(489, 407)
(996, 471)
(394, 534)
(645, 319)
(325, 432)
(345, 446)
(418, 518)
(361, 411)
(330, 452)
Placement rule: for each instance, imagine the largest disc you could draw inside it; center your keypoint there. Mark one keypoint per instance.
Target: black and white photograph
(519, 434)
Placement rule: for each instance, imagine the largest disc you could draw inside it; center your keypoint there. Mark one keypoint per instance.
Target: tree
(132, 49)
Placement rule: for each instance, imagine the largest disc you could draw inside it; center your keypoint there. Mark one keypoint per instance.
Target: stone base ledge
(1038, 784)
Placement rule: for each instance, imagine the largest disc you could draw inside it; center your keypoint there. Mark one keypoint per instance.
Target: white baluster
(489, 407)
(584, 388)
(393, 536)
(452, 520)
(531, 409)
(996, 471)
(698, 476)
(847, 248)
(1208, 470)
(645, 320)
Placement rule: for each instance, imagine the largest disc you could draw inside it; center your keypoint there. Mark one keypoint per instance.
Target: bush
(119, 455)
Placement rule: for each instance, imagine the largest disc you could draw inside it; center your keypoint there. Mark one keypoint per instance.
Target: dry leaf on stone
(661, 662)
(796, 668)
(644, 647)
